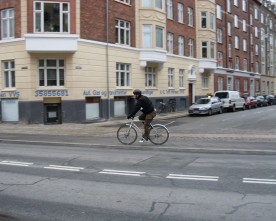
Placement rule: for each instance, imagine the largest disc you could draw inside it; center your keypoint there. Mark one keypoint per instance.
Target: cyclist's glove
(130, 116)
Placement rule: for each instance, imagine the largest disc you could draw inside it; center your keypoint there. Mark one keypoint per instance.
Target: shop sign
(51, 93)
(111, 93)
(172, 92)
(11, 94)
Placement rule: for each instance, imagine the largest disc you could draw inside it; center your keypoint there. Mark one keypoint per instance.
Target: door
(92, 108)
(53, 113)
(191, 94)
(10, 112)
(119, 106)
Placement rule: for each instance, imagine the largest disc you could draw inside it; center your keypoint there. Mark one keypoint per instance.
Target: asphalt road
(103, 180)
(48, 183)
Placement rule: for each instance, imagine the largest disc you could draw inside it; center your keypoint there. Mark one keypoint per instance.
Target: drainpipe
(107, 60)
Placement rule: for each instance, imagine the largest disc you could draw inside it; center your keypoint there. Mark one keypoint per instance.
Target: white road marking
(259, 181)
(192, 177)
(67, 168)
(15, 163)
(121, 172)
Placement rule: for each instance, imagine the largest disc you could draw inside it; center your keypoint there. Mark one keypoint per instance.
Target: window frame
(181, 45)
(146, 33)
(180, 12)
(170, 42)
(181, 78)
(205, 80)
(169, 9)
(10, 22)
(9, 74)
(162, 36)
(126, 31)
(126, 75)
(219, 11)
(170, 77)
(203, 19)
(204, 49)
(190, 17)
(191, 47)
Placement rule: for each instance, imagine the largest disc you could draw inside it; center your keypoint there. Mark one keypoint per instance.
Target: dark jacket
(144, 103)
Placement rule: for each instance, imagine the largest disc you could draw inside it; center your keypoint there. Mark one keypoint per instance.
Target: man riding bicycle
(148, 112)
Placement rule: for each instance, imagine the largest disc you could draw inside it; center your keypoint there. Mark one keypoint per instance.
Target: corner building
(79, 60)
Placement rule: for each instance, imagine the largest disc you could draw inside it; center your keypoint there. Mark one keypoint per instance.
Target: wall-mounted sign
(111, 93)
(11, 94)
(172, 92)
(51, 93)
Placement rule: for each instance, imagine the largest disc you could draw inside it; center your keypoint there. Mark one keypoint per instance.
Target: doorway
(191, 95)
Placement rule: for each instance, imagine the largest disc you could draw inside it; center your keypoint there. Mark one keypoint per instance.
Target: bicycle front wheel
(126, 134)
(159, 134)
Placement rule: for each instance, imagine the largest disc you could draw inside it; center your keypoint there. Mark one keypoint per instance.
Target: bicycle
(169, 106)
(127, 133)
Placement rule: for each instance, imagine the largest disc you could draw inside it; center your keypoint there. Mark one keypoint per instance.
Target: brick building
(79, 60)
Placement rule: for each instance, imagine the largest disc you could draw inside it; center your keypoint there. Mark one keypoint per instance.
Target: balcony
(49, 43)
(207, 64)
(152, 55)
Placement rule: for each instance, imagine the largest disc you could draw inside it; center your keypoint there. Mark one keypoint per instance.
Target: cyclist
(148, 112)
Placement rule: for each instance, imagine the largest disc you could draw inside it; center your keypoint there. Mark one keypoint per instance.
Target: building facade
(79, 60)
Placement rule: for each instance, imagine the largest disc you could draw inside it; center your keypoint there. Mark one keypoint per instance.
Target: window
(204, 49)
(257, 66)
(220, 59)
(180, 9)
(237, 84)
(245, 65)
(159, 4)
(256, 32)
(125, 1)
(251, 19)
(230, 50)
(181, 46)
(159, 37)
(244, 25)
(191, 17)
(257, 49)
(191, 47)
(229, 28)
(212, 21)
(150, 77)
(170, 77)
(181, 78)
(252, 55)
(228, 6)
(236, 21)
(251, 38)
(51, 72)
(51, 17)
(244, 5)
(122, 75)
(245, 85)
(262, 18)
(169, 9)
(147, 36)
(236, 3)
(219, 12)
(219, 35)
(9, 74)
(203, 20)
(244, 45)
(237, 63)
(170, 43)
(146, 3)
(122, 32)
(256, 16)
(205, 80)
(257, 86)
(220, 83)
(7, 23)
(237, 42)
(212, 50)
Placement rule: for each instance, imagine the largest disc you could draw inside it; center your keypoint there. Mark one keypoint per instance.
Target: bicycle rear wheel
(159, 134)
(126, 134)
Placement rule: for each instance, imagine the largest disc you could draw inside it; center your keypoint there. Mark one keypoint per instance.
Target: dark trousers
(147, 118)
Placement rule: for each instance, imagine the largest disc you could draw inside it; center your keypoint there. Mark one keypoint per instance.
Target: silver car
(206, 106)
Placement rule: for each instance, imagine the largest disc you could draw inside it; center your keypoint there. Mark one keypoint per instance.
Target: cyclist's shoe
(143, 140)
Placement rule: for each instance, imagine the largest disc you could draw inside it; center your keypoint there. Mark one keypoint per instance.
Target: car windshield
(203, 101)
(222, 95)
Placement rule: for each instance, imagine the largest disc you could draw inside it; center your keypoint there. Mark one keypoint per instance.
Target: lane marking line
(15, 163)
(67, 168)
(122, 172)
(259, 181)
(192, 177)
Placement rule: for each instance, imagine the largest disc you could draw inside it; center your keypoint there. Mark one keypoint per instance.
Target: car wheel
(220, 111)
(210, 112)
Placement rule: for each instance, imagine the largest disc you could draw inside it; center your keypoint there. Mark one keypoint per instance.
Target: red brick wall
(16, 4)
(93, 19)
(179, 29)
(30, 8)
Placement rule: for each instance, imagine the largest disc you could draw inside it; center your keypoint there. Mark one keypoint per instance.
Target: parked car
(250, 102)
(261, 101)
(206, 106)
(231, 100)
(271, 100)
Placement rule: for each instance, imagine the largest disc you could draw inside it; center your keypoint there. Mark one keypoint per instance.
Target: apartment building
(79, 60)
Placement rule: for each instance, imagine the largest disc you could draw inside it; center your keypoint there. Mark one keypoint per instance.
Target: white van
(231, 100)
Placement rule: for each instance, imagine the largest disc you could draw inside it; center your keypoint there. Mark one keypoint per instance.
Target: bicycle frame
(132, 124)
